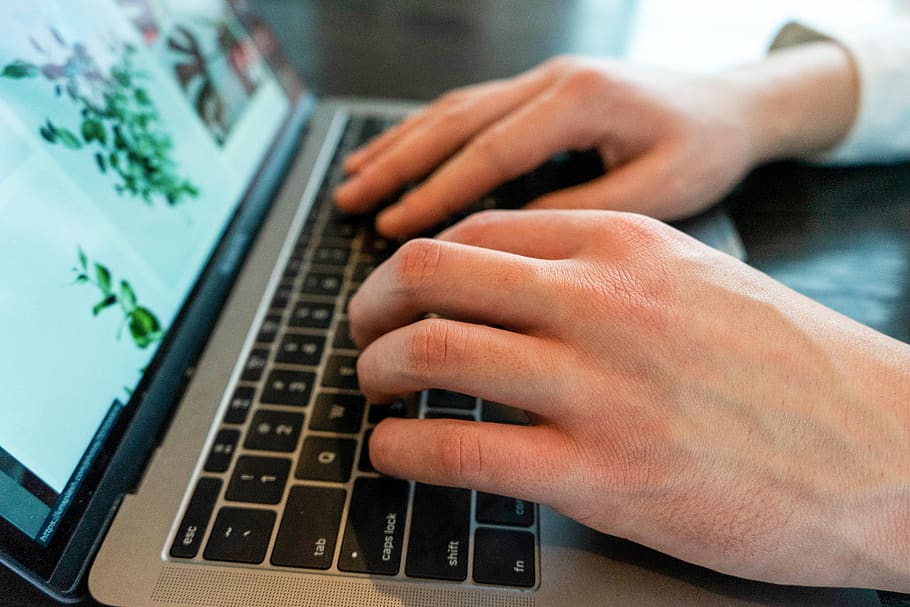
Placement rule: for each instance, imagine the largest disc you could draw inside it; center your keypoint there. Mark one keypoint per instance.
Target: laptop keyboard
(287, 481)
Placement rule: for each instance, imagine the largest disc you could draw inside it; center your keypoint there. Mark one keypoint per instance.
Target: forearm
(798, 102)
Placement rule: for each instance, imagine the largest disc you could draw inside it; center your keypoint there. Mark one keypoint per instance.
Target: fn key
(504, 557)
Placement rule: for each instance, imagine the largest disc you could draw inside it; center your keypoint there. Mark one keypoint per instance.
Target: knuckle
(428, 349)
(634, 458)
(454, 96)
(636, 283)
(415, 264)
(560, 63)
(461, 457)
(471, 229)
(641, 233)
(583, 81)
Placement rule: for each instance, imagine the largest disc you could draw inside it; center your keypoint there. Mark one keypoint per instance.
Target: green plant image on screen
(143, 325)
(120, 124)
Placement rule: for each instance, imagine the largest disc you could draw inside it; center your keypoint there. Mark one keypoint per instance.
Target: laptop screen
(131, 130)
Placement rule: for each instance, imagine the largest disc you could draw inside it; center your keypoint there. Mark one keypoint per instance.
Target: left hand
(680, 399)
(673, 143)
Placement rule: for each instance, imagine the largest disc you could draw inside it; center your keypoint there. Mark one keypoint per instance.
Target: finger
(526, 462)
(540, 234)
(452, 280)
(641, 186)
(413, 151)
(493, 364)
(355, 161)
(513, 146)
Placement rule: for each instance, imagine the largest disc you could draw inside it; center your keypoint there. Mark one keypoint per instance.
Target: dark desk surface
(841, 236)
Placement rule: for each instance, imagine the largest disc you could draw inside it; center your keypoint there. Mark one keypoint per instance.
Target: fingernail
(387, 219)
(352, 162)
(343, 192)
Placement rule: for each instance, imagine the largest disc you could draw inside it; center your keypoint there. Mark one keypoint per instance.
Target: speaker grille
(204, 587)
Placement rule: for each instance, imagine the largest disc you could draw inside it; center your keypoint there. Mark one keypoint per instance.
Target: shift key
(440, 522)
(375, 529)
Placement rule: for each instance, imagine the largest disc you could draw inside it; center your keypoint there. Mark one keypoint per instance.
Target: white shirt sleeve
(881, 131)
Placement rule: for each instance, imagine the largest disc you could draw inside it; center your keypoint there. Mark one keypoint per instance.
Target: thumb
(641, 186)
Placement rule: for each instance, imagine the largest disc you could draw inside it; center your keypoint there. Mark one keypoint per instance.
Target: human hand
(679, 398)
(672, 144)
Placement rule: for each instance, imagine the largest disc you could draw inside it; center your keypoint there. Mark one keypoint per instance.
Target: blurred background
(347, 47)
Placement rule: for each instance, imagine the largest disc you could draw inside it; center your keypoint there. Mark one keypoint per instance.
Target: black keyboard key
(325, 458)
(322, 283)
(299, 349)
(312, 315)
(196, 518)
(362, 270)
(347, 300)
(500, 510)
(240, 535)
(282, 296)
(274, 431)
(309, 528)
(375, 527)
(306, 232)
(343, 339)
(342, 413)
(449, 415)
(438, 543)
(377, 248)
(286, 387)
(450, 400)
(342, 228)
(331, 256)
(258, 480)
(299, 252)
(371, 126)
(504, 557)
(403, 407)
(503, 414)
(240, 405)
(268, 331)
(295, 264)
(365, 464)
(255, 365)
(222, 451)
(341, 372)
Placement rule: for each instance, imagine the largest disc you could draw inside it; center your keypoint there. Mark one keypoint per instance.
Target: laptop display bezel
(58, 567)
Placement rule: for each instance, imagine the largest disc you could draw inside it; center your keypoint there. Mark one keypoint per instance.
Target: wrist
(799, 102)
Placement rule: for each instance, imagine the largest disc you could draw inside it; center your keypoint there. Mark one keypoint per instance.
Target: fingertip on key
(345, 195)
(353, 162)
(388, 222)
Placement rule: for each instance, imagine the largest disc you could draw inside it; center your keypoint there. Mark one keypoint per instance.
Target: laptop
(181, 421)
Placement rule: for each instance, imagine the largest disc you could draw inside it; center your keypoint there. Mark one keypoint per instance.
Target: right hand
(679, 398)
(672, 144)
